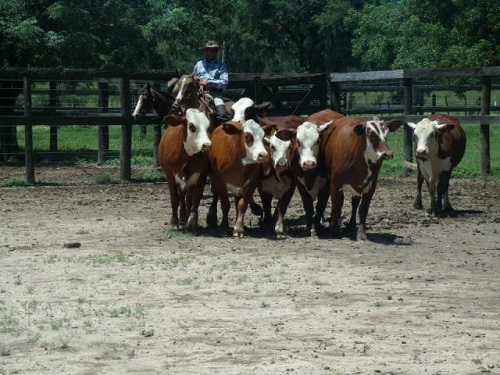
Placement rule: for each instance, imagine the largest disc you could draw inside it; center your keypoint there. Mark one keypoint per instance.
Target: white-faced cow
(235, 162)
(309, 173)
(354, 148)
(440, 142)
(183, 158)
(308, 167)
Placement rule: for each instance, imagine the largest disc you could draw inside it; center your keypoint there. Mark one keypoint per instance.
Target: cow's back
(451, 143)
(323, 116)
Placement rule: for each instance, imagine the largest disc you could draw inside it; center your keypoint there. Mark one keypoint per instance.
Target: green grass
(79, 144)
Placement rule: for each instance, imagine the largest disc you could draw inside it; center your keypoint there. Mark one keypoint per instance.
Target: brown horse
(153, 99)
(188, 94)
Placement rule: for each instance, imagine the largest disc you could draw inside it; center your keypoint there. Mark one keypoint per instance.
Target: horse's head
(145, 102)
(185, 92)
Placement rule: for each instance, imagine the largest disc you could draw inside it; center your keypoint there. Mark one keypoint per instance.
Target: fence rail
(31, 97)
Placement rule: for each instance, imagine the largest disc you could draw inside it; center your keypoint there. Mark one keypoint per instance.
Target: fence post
(408, 133)
(485, 128)
(256, 89)
(28, 132)
(126, 131)
(156, 135)
(53, 106)
(335, 96)
(103, 130)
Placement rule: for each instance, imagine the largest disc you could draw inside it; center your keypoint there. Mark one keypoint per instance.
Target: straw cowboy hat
(211, 44)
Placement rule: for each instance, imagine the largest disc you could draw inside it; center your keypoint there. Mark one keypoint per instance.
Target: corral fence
(33, 97)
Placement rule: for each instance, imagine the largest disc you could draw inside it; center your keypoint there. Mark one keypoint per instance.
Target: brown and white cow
(440, 142)
(182, 155)
(246, 109)
(276, 180)
(309, 173)
(235, 162)
(354, 148)
(308, 167)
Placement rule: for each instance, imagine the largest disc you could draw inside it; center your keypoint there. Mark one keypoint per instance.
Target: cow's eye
(192, 128)
(273, 148)
(374, 139)
(298, 143)
(249, 139)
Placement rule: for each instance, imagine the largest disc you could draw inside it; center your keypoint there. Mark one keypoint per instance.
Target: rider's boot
(222, 116)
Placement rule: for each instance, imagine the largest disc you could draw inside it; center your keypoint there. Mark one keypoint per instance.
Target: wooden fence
(114, 93)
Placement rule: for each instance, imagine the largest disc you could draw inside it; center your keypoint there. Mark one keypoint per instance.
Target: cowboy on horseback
(211, 75)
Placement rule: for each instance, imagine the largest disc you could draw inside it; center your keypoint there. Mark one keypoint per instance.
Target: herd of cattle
(323, 156)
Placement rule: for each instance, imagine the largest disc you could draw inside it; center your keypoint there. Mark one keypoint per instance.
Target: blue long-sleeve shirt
(215, 72)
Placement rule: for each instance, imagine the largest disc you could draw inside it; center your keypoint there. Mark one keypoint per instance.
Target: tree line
(313, 36)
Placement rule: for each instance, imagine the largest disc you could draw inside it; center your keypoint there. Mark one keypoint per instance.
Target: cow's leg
(321, 207)
(443, 187)
(212, 210)
(241, 207)
(266, 199)
(182, 199)
(363, 213)
(281, 208)
(420, 181)
(225, 206)
(432, 185)
(351, 224)
(174, 200)
(307, 202)
(337, 200)
(194, 202)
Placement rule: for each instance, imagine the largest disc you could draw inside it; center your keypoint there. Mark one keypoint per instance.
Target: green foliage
(259, 35)
(426, 33)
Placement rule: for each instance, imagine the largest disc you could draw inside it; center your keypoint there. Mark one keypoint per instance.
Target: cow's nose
(308, 165)
(387, 155)
(421, 151)
(262, 155)
(281, 162)
(206, 147)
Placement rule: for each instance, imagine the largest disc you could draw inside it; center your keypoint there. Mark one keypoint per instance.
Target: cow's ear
(394, 124)
(324, 126)
(441, 128)
(359, 129)
(412, 125)
(232, 127)
(174, 120)
(286, 134)
(269, 129)
(262, 109)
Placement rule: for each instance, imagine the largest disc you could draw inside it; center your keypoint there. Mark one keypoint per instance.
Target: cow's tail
(409, 165)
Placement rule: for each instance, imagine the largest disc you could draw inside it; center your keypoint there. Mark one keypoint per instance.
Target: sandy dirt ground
(421, 297)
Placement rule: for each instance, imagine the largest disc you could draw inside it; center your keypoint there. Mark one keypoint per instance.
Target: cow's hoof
(278, 229)
(238, 234)
(191, 225)
(211, 221)
(418, 205)
(361, 237)
(451, 212)
(349, 228)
